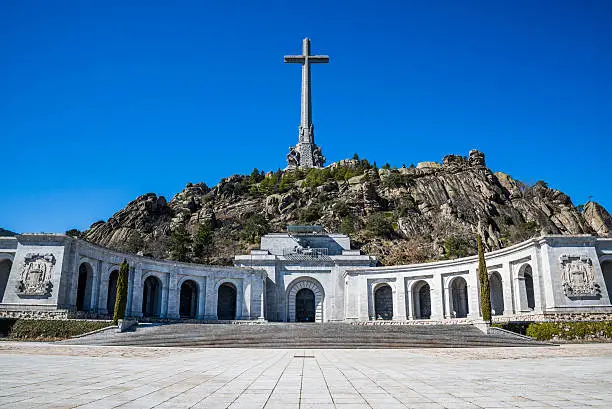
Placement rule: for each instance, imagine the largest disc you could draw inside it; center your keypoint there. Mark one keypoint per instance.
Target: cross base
(305, 155)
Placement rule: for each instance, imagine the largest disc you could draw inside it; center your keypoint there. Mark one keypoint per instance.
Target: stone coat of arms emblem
(578, 276)
(36, 274)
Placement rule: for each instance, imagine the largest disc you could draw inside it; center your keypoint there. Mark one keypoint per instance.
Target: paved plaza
(53, 376)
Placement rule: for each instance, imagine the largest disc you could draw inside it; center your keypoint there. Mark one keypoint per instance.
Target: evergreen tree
(255, 227)
(122, 290)
(483, 279)
(203, 241)
(180, 242)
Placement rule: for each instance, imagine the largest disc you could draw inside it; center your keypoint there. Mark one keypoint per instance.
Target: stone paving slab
(37, 375)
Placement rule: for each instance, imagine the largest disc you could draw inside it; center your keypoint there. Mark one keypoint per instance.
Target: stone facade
(308, 276)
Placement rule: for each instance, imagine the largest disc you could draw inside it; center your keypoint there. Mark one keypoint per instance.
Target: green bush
(53, 329)
(378, 225)
(569, 330)
(122, 292)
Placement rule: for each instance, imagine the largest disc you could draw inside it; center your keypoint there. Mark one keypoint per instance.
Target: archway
(421, 294)
(112, 292)
(226, 302)
(459, 297)
(383, 302)
(5, 270)
(606, 269)
(188, 304)
(83, 301)
(296, 286)
(151, 297)
(305, 306)
(496, 292)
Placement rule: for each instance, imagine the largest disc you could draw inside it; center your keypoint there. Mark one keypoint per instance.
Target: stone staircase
(313, 335)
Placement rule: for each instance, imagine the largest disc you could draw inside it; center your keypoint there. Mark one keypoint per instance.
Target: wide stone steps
(292, 335)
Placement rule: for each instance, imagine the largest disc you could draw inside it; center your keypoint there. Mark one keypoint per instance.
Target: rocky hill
(412, 214)
(6, 233)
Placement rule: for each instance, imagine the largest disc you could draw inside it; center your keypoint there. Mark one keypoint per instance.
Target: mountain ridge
(429, 212)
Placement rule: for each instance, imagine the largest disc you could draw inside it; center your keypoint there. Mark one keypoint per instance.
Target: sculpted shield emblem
(36, 274)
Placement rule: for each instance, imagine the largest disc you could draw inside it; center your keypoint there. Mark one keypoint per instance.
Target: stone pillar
(473, 295)
(363, 299)
(262, 299)
(399, 302)
(136, 297)
(130, 293)
(201, 298)
(95, 286)
(241, 312)
(507, 292)
(448, 302)
(409, 301)
(165, 294)
(439, 299)
(173, 295)
(103, 288)
(211, 299)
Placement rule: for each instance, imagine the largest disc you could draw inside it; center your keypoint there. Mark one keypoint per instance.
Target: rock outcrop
(402, 215)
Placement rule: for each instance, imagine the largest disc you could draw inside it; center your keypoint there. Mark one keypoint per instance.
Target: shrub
(53, 329)
(455, 247)
(569, 331)
(483, 279)
(378, 225)
(122, 292)
(255, 227)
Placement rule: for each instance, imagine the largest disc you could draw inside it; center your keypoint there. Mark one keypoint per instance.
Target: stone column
(399, 302)
(173, 295)
(262, 299)
(165, 296)
(409, 301)
(201, 298)
(95, 286)
(507, 291)
(439, 298)
(473, 295)
(130, 293)
(211, 299)
(241, 312)
(136, 297)
(103, 288)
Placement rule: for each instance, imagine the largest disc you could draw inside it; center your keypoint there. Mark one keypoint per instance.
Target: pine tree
(483, 279)
(203, 242)
(122, 289)
(180, 242)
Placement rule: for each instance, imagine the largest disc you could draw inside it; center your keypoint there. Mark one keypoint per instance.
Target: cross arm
(295, 59)
(319, 59)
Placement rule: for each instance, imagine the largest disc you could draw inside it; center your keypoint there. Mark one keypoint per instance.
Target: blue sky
(104, 101)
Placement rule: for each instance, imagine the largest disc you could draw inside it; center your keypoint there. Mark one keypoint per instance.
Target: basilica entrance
(305, 306)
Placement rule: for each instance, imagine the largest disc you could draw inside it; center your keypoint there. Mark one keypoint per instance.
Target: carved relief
(317, 157)
(36, 274)
(293, 157)
(578, 276)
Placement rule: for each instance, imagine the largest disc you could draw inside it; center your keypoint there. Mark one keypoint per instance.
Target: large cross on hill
(306, 154)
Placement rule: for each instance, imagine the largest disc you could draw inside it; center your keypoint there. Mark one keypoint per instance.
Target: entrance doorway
(383, 303)
(226, 302)
(305, 306)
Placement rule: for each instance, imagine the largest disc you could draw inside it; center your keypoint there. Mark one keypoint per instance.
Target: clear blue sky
(103, 101)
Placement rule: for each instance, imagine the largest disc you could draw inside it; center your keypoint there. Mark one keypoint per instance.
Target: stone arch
(5, 271)
(459, 297)
(188, 299)
(383, 302)
(421, 300)
(496, 293)
(526, 285)
(151, 296)
(84, 283)
(111, 295)
(227, 299)
(319, 296)
(606, 270)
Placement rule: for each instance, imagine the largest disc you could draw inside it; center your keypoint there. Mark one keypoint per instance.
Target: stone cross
(306, 154)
